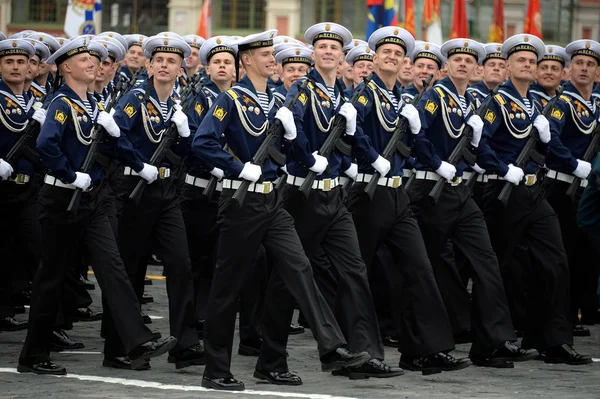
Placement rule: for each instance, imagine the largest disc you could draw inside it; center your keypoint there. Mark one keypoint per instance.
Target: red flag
(409, 17)
(460, 26)
(204, 25)
(496, 33)
(533, 19)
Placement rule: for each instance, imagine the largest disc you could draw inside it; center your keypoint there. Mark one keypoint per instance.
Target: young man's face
(14, 69)
(166, 67)
(389, 58)
(221, 68)
(461, 67)
(33, 69)
(495, 71)
(328, 54)
(291, 72)
(422, 68)
(549, 74)
(81, 68)
(135, 59)
(192, 61)
(106, 70)
(583, 70)
(522, 65)
(406, 70)
(360, 70)
(261, 61)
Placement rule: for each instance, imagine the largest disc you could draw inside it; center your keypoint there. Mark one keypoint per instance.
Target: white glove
(348, 111)
(181, 121)
(108, 123)
(352, 171)
(149, 173)
(446, 170)
(478, 169)
(514, 174)
(287, 120)
(112, 112)
(82, 180)
(477, 124)
(218, 173)
(251, 172)
(5, 169)
(583, 169)
(381, 165)
(543, 127)
(39, 115)
(412, 116)
(320, 163)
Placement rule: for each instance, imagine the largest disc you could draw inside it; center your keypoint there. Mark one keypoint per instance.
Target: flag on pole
(204, 25)
(533, 19)
(460, 26)
(432, 22)
(380, 13)
(496, 33)
(81, 17)
(409, 17)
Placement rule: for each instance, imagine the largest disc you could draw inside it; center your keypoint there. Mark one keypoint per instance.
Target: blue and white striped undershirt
(463, 103)
(528, 106)
(331, 92)
(263, 100)
(21, 100)
(88, 106)
(394, 99)
(164, 109)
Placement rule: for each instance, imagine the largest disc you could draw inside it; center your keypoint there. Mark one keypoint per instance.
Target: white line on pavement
(78, 353)
(595, 360)
(156, 317)
(186, 388)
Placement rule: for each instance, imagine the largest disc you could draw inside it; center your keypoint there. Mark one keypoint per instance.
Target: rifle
(20, 146)
(528, 152)
(333, 140)
(588, 156)
(395, 144)
(462, 150)
(98, 136)
(266, 148)
(165, 144)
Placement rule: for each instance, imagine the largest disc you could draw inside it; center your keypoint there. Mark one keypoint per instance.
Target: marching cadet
(200, 213)
(550, 73)
(445, 111)
(135, 57)
(573, 121)
(323, 223)
(193, 63)
(103, 85)
(41, 85)
(360, 58)
(527, 219)
(20, 233)
(494, 73)
(260, 219)
(426, 335)
(62, 144)
(345, 78)
(427, 59)
(295, 63)
(41, 54)
(405, 76)
(155, 220)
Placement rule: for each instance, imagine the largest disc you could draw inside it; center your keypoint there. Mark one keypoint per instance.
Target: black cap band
(588, 52)
(14, 51)
(430, 56)
(328, 36)
(167, 49)
(391, 39)
(363, 57)
(522, 47)
(255, 45)
(553, 57)
(490, 56)
(219, 49)
(296, 59)
(95, 54)
(71, 53)
(463, 50)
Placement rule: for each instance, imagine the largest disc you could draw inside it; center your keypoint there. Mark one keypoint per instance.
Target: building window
(43, 11)
(586, 32)
(328, 10)
(242, 14)
(147, 17)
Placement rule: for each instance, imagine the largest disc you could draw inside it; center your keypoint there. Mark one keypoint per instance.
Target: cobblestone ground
(88, 379)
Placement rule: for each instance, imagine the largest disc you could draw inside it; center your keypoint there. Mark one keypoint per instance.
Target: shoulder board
(231, 93)
(565, 98)
(440, 92)
(372, 85)
(65, 99)
(500, 99)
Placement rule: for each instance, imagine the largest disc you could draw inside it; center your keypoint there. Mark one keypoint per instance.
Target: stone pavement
(88, 379)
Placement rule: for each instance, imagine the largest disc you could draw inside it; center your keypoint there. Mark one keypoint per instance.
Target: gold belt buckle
(162, 172)
(530, 180)
(267, 187)
(396, 181)
(456, 181)
(21, 178)
(326, 184)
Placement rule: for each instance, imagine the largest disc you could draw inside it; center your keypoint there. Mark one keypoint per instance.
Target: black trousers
(329, 239)
(582, 250)
(457, 218)
(157, 222)
(61, 235)
(388, 219)
(19, 239)
(529, 220)
(261, 219)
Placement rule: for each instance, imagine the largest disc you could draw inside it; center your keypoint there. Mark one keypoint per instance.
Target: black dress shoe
(156, 335)
(224, 384)
(87, 284)
(434, 364)
(490, 361)
(296, 329)
(580, 331)
(86, 314)
(146, 318)
(147, 281)
(18, 309)
(46, 367)
(146, 298)
(565, 354)
(278, 377)
(150, 349)
(192, 356)
(250, 348)
(343, 356)
(122, 363)
(61, 341)
(373, 368)
(390, 341)
(463, 337)
(9, 323)
(512, 352)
